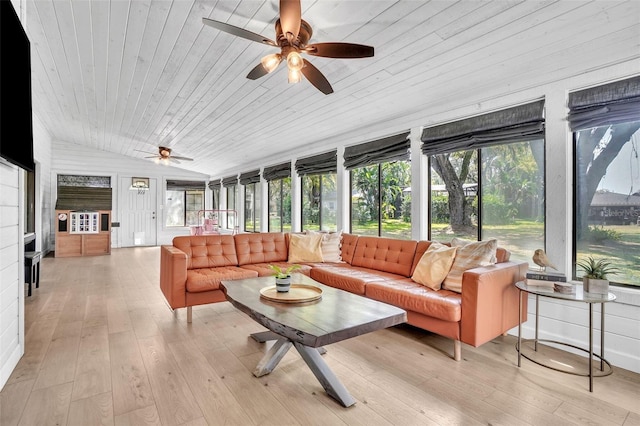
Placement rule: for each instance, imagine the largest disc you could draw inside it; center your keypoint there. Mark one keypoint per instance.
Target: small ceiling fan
(292, 36)
(164, 156)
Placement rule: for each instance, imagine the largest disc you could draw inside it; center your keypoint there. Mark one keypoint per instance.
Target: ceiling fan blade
(290, 16)
(173, 157)
(339, 50)
(239, 32)
(257, 72)
(316, 78)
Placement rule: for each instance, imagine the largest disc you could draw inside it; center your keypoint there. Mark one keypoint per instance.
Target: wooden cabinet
(83, 233)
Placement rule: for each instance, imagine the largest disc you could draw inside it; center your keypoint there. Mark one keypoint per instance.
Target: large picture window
(231, 189)
(319, 191)
(251, 182)
(279, 205)
(319, 200)
(487, 179)
(606, 125)
(380, 176)
(184, 200)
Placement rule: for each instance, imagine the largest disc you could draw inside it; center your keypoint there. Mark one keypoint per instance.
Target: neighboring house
(611, 208)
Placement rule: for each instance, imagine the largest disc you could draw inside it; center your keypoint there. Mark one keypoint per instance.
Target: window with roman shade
(612, 103)
(520, 123)
(215, 184)
(318, 164)
(229, 181)
(605, 121)
(392, 148)
(250, 177)
(278, 171)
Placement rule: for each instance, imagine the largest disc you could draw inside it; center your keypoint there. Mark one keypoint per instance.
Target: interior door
(137, 215)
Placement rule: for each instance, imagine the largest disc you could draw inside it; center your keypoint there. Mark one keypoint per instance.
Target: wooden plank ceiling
(129, 76)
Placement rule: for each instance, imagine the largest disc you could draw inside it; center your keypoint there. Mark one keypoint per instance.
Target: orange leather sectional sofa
(378, 268)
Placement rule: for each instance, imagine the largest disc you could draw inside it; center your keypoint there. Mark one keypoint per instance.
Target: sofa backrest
(208, 251)
(261, 247)
(385, 254)
(348, 247)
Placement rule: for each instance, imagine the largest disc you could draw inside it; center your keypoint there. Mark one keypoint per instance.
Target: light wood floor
(103, 348)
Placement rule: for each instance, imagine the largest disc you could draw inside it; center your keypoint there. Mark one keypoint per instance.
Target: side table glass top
(579, 296)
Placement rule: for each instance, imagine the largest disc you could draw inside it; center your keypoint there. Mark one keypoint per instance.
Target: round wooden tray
(297, 293)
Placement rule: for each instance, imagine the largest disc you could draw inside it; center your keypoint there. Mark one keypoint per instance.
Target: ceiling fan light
(271, 62)
(294, 61)
(295, 76)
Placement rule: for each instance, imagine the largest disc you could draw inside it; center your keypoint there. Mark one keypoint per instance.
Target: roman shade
(277, 172)
(318, 164)
(517, 124)
(250, 177)
(83, 198)
(215, 184)
(612, 103)
(231, 180)
(185, 185)
(392, 148)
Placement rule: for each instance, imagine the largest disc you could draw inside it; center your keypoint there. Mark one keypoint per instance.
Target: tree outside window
(280, 205)
(319, 202)
(381, 200)
(607, 185)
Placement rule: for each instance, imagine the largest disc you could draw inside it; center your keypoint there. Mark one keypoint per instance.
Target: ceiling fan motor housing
(304, 35)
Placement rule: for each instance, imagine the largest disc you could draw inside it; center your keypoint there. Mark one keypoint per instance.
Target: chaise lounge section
(374, 267)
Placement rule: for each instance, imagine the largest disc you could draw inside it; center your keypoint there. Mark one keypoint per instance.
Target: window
(318, 196)
(251, 182)
(184, 200)
(319, 191)
(381, 200)
(607, 176)
(487, 179)
(231, 205)
(380, 179)
(30, 201)
(279, 206)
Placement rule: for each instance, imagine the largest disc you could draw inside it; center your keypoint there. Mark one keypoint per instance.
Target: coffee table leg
(272, 357)
(325, 376)
(265, 336)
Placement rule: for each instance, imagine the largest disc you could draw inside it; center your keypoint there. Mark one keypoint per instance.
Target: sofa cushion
(348, 247)
(385, 254)
(305, 248)
(207, 279)
(208, 251)
(265, 247)
(263, 269)
(406, 294)
(434, 265)
(469, 256)
(349, 278)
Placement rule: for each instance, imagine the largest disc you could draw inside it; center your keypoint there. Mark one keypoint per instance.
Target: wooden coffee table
(308, 326)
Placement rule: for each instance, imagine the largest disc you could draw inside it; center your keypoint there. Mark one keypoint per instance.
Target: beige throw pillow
(305, 248)
(434, 265)
(469, 256)
(331, 244)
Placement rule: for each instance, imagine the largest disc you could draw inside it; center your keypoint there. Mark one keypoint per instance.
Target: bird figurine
(540, 258)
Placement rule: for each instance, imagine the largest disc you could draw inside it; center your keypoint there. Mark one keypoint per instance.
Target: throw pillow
(331, 244)
(305, 248)
(434, 265)
(469, 256)
(459, 242)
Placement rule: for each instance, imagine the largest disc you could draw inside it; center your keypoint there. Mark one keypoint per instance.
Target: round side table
(578, 296)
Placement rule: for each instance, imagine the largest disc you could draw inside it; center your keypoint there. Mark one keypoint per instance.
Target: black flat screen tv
(16, 126)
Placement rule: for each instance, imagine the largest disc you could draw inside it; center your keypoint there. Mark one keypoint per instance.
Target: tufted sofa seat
(378, 268)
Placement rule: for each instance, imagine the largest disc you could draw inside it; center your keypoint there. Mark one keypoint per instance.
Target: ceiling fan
(164, 156)
(292, 36)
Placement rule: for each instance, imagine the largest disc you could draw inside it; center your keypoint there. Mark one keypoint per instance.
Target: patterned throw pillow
(305, 248)
(469, 256)
(434, 265)
(331, 244)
